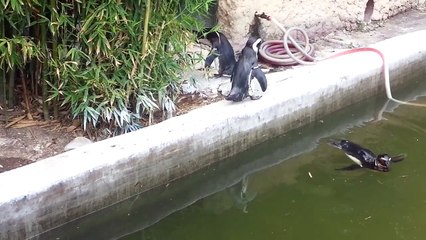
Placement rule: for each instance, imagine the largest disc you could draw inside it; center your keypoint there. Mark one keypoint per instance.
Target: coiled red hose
(285, 53)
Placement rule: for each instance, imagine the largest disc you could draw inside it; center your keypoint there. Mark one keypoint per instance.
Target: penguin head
(213, 36)
(383, 162)
(254, 43)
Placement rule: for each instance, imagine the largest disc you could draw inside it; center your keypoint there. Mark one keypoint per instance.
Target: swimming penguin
(245, 70)
(220, 47)
(364, 157)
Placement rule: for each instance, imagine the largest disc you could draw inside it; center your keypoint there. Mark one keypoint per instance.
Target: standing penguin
(245, 70)
(220, 47)
(364, 157)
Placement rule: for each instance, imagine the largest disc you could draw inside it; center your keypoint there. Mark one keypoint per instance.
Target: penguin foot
(255, 97)
(254, 94)
(218, 75)
(221, 90)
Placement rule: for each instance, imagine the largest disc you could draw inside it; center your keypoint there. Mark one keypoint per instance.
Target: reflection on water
(288, 188)
(240, 194)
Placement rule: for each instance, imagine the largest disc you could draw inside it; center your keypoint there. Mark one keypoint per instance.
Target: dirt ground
(24, 145)
(24, 141)
(27, 141)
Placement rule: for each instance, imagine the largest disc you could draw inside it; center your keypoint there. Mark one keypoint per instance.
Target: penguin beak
(388, 165)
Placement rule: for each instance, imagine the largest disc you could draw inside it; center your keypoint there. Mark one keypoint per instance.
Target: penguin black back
(220, 47)
(245, 69)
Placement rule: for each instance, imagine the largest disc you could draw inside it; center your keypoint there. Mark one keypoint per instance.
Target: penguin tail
(335, 143)
(398, 158)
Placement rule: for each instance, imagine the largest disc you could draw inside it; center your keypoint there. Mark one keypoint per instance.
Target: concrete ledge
(44, 195)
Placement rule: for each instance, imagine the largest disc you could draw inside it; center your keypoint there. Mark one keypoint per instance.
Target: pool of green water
(290, 188)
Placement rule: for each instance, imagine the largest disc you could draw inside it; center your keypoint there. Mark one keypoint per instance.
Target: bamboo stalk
(2, 87)
(14, 121)
(34, 64)
(11, 81)
(27, 102)
(11, 87)
(43, 75)
(145, 27)
(54, 78)
(2, 70)
(151, 65)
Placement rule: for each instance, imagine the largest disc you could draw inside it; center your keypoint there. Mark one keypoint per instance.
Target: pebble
(77, 142)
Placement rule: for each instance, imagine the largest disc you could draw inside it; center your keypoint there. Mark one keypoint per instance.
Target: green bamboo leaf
(9, 47)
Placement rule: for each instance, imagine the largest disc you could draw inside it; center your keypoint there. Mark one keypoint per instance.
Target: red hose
(288, 51)
(274, 53)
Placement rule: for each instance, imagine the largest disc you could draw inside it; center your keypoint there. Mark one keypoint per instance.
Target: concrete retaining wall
(144, 210)
(41, 196)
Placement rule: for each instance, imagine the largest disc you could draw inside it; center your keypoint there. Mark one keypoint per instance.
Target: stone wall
(319, 18)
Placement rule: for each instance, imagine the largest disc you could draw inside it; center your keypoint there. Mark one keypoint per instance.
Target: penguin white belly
(354, 159)
(255, 91)
(250, 92)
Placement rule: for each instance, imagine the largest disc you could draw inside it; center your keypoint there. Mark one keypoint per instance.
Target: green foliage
(112, 62)
(15, 52)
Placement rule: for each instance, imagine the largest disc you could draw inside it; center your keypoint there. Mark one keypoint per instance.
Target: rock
(188, 88)
(77, 142)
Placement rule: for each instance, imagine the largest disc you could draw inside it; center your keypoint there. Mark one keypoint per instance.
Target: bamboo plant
(109, 63)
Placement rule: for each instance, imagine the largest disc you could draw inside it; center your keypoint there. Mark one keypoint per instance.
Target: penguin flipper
(260, 76)
(211, 57)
